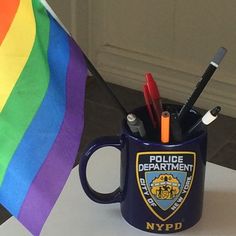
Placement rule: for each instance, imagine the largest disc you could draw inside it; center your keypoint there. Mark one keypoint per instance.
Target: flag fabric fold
(42, 90)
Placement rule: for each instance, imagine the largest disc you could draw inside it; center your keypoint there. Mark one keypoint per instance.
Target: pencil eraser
(219, 55)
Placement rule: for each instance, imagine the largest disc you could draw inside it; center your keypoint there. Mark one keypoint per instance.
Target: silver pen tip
(219, 55)
(131, 117)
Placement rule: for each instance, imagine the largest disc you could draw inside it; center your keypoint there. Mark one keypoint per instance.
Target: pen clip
(155, 97)
(148, 102)
(152, 87)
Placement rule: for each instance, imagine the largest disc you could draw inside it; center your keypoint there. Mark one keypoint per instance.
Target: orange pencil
(165, 127)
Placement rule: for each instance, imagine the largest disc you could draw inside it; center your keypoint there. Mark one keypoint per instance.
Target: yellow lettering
(178, 226)
(169, 226)
(159, 226)
(150, 226)
(163, 227)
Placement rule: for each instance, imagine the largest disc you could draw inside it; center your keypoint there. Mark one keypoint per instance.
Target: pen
(176, 131)
(148, 102)
(208, 118)
(205, 78)
(165, 127)
(136, 125)
(155, 96)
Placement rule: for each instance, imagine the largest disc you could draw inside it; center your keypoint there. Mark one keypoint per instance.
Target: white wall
(174, 39)
(74, 14)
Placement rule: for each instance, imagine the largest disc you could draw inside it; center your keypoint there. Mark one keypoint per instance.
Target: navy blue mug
(161, 185)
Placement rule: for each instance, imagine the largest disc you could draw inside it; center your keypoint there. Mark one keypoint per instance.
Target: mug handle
(105, 198)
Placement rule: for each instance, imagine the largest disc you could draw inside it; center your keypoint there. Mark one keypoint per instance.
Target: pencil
(165, 127)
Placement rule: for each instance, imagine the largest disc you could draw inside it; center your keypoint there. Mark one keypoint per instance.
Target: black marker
(201, 85)
(136, 125)
(209, 117)
(175, 128)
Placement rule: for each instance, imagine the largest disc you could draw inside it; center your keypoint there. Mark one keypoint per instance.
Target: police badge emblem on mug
(164, 180)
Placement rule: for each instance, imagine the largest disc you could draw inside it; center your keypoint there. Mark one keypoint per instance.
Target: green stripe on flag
(28, 92)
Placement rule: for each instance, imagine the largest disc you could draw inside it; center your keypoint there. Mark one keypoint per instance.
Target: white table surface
(75, 214)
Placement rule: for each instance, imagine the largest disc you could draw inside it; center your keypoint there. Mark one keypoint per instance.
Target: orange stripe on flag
(16, 48)
(8, 10)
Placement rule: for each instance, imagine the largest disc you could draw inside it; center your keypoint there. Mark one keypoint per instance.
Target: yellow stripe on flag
(16, 48)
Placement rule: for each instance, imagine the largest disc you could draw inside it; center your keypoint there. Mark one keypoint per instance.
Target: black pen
(175, 128)
(136, 125)
(201, 85)
(208, 118)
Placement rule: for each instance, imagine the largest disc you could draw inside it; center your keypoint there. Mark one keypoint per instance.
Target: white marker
(209, 117)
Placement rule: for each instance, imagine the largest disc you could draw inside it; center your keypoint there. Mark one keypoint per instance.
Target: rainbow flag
(42, 88)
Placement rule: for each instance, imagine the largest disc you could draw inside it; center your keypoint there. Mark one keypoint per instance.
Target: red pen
(148, 102)
(155, 96)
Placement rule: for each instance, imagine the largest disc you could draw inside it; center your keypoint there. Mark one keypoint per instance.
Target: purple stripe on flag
(53, 174)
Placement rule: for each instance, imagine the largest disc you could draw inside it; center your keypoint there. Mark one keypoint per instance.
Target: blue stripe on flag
(41, 134)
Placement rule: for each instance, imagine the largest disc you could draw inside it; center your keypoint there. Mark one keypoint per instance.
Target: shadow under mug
(161, 185)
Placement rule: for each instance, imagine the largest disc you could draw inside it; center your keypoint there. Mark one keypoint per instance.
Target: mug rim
(126, 132)
(158, 143)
